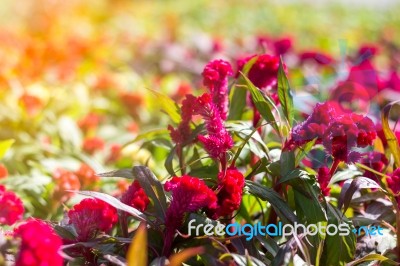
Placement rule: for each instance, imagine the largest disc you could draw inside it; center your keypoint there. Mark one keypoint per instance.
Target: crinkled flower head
(11, 207)
(229, 193)
(215, 78)
(39, 245)
(394, 183)
(136, 197)
(92, 216)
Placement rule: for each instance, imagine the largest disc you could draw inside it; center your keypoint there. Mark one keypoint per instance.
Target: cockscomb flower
(93, 144)
(217, 141)
(189, 194)
(39, 245)
(323, 179)
(136, 197)
(346, 132)
(229, 195)
(215, 78)
(11, 207)
(92, 216)
(87, 177)
(282, 46)
(64, 180)
(376, 161)
(393, 182)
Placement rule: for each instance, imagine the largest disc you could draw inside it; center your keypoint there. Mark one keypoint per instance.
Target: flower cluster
(39, 245)
(136, 197)
(189, 194)
(229, 193)
(92, 216)
(394, 183)
(11, 207)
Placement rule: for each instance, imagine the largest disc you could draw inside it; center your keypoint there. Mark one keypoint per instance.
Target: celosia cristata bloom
(136, 197)
(92, 216)
(375, 160)
(64, 180)
(39, 245)
(217, 141)
(230, 190)
(11, 207)
(93, 144)
(189, 194)
(394, 183)
(87, 176)
(215, 78)
(282, 46)
(323, 179)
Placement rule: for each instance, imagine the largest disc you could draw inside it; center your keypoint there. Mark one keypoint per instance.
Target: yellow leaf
(179, 258)
(137, 253)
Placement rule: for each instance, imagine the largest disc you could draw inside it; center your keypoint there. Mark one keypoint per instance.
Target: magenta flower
(215, 78)
(394, 183)
(189, 194)
(320, 58)
(376, 161)
(11, 207)
(323, 178)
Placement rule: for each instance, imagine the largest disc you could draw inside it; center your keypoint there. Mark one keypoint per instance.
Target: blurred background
(80, 81)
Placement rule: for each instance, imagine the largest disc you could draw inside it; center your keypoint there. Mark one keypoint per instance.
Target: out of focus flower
(393, 182)
(182, 90)
(64, 180)
(367, 51)
(317, 57)
(31, 104)
(132, 102)
(93, 144)
(3, 171)
(92, 216)
(382, 136)
(189, 194)
(393, 82)
(282, 46)
(229, 195)
(87, 177)
(215, 78)
(136, 197)
(133, 128)
(89, 122)
(11, 207)
(352, 95)
(39, 245)
(375, 160)
(115, 153)
(323, 178)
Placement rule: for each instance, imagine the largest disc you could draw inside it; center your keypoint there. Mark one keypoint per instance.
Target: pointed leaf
(168, 106)
(392, 141)
(284, 95)
(137, 252)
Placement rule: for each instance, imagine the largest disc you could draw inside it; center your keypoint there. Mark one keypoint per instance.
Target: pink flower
(318, 57)
(394, 183)
(376, 161)
(264, 72)
(323, 178)
(11, 207)
(215, 78)
(189, 194)
(91, 216)
(282, 46)
(393, 82)
(230, 190)
(136, 197)
(39, 245)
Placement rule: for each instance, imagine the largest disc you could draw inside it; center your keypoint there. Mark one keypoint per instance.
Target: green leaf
(5, 145)
(268, 194)
(263, 104)
(168, 164)
(338, 250)
(287, 162)
(237, 103)
(304, 150)
(372, 257)
(284, 95)
(168, 106)
(390, 136)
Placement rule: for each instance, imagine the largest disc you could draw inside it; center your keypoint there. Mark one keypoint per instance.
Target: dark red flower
(136, 197)
(39, 245)
(376, 161)
(320, 58)
(264, 72)
(92, 216)
(282, 46)
(215, 78)
(189, 194)
(11, 207)
(323, 178)
(393, 182)
(230, 190)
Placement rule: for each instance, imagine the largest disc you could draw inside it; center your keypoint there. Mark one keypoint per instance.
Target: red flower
(3, 171)
(39, 245)
(136, 197)
(91, 216)
(115, 153)
(264, 72)
(32, 104)
(230, 190)
(65, 180)
(282, 46)
(318, 57)
(323, 178)
(376, 161)
(91, 145)
(87, 176)
(394, 183)
(215, 78)
(393, 82)
(11, 207)
(189, 194)
(89, 122)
